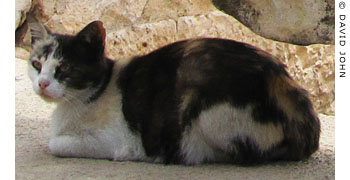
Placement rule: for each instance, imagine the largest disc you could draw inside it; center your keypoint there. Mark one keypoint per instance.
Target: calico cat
(195, 101)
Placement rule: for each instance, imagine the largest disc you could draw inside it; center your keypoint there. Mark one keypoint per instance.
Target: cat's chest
(100, 115)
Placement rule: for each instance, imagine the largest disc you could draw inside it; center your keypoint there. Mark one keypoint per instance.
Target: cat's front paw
(127, 153)
(70, 146)
(63, 146)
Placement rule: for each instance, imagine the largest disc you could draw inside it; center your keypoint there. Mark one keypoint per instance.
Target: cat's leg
(71, 146)
(194, 149)
(301, 126)
(230, 133)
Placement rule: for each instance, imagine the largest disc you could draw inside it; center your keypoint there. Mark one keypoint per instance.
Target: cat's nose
(44, 83)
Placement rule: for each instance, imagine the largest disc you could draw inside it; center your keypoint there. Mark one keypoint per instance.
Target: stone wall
(136, 27)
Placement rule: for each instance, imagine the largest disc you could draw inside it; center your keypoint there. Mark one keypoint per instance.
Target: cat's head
(64, 67)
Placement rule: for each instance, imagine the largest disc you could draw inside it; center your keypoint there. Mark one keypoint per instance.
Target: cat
(195, 101)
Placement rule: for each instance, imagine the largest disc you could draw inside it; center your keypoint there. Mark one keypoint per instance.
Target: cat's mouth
(45, 95)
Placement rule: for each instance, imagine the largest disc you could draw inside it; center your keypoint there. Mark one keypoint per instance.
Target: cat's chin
(48, 98)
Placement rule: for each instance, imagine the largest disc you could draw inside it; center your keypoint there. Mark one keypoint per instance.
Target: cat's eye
(36, 65)
(64, 68)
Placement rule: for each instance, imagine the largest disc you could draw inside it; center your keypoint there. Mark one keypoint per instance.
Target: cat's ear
(38, 31)
(93, 34)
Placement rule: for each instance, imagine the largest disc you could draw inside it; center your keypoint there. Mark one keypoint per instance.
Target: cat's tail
(301, 126)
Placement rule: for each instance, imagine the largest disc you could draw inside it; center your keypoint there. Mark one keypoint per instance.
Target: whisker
(76, 101)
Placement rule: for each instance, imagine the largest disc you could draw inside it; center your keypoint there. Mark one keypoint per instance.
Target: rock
(300, 22)
(157, 10)
(70, 16)
(21, 33)
(21, 8)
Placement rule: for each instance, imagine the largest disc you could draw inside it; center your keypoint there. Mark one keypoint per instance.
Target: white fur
(218, 126)
(97, 130)
(196, 150)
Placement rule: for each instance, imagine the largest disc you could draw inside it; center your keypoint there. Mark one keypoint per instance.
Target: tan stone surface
(34, 161)
(21, 53)
(136, 27)
(21, 7)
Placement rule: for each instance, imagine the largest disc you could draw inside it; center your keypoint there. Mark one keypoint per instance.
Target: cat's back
(216, 67)
(193, 60)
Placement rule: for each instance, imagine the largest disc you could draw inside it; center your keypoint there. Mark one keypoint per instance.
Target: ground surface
(34, 161)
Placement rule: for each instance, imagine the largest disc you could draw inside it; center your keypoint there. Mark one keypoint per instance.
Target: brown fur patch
(279, 87)
(266, 55)
(187, 97)
(102, 31)
(94, 33)
(193, 45)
